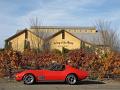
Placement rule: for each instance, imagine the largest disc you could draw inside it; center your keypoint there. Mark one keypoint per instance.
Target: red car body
(52, 75)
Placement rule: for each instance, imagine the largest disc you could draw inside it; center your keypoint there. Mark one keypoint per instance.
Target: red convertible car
(64, 73)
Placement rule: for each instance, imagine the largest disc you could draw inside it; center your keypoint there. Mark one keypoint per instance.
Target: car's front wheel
(71, 79)
(29, 79)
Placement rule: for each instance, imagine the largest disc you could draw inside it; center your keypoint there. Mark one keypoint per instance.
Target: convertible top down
(64, 73)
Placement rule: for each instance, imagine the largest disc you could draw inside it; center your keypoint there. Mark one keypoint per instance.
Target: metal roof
(94, 38)
(61, 27)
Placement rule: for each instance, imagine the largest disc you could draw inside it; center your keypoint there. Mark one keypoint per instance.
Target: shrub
(97, 63)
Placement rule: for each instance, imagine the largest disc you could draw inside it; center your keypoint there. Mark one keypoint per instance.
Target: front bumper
(18, 78)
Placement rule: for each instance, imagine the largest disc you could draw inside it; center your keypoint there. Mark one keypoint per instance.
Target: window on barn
(82, 44)
(26, 44)
(63, 34)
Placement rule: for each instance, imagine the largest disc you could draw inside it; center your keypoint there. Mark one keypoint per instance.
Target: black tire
(71, 79)
(29, 79)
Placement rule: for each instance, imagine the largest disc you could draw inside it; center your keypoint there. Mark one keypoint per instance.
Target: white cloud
(60, 11)
(16, 15)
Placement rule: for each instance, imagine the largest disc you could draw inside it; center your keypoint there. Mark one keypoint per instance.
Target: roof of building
(19, 33)
(52, 36)
(61, 27)
(92, 38)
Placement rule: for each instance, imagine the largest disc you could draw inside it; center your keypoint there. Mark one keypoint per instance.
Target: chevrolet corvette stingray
(62, 73)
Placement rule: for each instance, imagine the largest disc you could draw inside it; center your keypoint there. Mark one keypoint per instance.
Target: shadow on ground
(86, 82)
(91, 82)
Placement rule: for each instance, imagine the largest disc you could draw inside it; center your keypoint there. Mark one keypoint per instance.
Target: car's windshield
(53, 67)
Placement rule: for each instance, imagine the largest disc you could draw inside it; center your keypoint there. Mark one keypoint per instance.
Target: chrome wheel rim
(29, 79)
(71, 79)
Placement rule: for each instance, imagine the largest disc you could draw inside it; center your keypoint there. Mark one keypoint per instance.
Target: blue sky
(15, 14)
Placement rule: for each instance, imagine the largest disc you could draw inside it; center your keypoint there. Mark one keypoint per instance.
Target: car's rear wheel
(29, 79)
(71, 79)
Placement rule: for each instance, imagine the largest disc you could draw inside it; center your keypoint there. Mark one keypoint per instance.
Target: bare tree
(35, 24)
(109, 37)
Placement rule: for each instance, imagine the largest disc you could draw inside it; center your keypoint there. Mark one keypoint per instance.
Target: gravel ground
(6, 84)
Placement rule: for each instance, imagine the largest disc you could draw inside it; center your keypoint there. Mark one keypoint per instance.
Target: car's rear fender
(82, 75)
